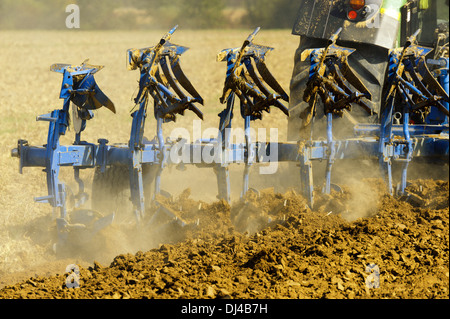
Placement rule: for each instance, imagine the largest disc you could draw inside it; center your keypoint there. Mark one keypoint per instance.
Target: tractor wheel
(368, 61)
(111, 191)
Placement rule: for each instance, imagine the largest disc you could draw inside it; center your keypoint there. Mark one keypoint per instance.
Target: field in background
(29, 89)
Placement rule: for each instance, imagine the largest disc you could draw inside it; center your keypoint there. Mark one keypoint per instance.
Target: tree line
(145, 14)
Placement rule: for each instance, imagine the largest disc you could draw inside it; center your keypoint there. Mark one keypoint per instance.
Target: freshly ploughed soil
(272, 245)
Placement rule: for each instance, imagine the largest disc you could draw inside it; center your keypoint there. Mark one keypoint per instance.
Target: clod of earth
(297, 253)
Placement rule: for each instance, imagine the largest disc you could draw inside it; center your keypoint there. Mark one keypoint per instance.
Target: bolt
(15, 152)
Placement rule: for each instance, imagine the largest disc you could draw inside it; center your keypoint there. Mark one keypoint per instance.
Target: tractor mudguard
(368, 62)
(320, 19)
(372, 34)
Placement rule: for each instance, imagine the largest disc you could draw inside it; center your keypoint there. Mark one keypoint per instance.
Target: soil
(271, 245)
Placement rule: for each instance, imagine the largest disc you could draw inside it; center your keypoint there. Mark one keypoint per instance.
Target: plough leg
(245, 180)
(330, 153)
(306, 177)
(135, 168)
(249, 157)
(223, 182)
(409, 147)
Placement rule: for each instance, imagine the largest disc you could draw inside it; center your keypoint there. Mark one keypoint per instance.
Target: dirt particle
(210, 292)
(241, 279)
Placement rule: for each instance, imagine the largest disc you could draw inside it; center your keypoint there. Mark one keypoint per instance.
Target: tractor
(370, 84)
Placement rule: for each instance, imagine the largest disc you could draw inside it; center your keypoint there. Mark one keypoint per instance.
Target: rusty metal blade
(161, 78)
(101, 99)
(183, 80)
(337, 76)
(172, 82)
(430, 80)
(94, 99)
(177, 89)
(352, 78)
(270, 79)
(251, 71)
